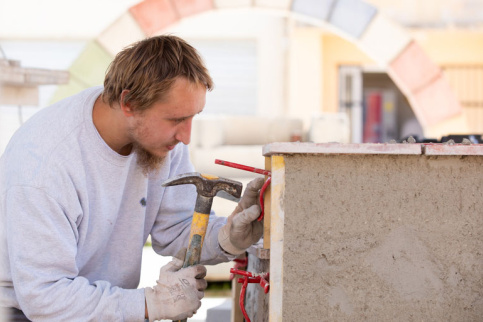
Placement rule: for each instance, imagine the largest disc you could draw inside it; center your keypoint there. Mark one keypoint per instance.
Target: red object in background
(373, 118)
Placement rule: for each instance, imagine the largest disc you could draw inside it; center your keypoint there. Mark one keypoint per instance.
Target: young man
(80, 191)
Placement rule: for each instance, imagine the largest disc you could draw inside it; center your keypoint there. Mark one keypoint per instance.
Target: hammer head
(206, 185)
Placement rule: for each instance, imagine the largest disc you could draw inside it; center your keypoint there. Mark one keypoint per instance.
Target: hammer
(207, 186)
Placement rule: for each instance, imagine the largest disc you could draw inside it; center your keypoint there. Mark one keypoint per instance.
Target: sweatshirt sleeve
(171, 229)
(42, 247)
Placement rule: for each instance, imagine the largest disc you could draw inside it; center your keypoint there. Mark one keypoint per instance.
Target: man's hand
(242, 228)
(178, 291)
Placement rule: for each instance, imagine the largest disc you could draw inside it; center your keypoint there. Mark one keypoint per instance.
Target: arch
(388, 44)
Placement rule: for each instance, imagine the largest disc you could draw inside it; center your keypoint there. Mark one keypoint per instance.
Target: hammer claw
(206, 185)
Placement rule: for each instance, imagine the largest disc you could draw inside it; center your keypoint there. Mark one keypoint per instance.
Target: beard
(147, 161)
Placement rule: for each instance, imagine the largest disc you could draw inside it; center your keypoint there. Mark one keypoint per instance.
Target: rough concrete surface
(256, 301)
(383, 238)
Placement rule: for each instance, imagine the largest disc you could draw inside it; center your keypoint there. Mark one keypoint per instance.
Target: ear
(125, 107)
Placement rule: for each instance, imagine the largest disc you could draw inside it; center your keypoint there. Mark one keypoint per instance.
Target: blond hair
(149, 68)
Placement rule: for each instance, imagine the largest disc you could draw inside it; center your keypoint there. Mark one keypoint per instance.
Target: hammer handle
(199, 226)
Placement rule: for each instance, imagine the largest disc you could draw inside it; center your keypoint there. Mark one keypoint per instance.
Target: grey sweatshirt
(74, 216)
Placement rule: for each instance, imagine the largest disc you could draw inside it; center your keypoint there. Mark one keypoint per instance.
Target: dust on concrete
(378, 237)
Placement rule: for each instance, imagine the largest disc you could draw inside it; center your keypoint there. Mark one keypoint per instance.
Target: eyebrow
(182, 118)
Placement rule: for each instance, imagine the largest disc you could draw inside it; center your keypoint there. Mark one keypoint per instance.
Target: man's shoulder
(49, 139)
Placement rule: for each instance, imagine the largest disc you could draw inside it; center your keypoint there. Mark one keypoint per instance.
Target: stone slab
(338, 148)
(456, 149)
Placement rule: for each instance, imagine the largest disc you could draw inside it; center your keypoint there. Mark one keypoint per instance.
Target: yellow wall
(336, 52)
(443, 47)
(452, 46)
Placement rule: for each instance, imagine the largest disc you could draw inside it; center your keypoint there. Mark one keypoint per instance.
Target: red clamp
(249, 277)
(239, 263)
(251, 169)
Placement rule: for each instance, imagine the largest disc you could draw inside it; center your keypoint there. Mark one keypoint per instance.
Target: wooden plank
(267, 204)
(236, 313)
(276, 238)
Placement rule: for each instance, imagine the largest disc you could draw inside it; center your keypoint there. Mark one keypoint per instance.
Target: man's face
(157, 130)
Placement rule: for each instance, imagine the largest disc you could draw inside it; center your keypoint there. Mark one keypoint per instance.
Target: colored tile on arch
(90, 66)
(154, 15)
(190, 7)
(436, 102)
(383, 40)
(123, 32)
(412, 69)
(352, 16)
(319, 9)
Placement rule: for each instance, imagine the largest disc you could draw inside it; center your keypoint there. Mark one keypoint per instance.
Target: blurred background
(345, 71)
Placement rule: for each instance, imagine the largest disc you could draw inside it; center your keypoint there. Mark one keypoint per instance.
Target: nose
(183, 133)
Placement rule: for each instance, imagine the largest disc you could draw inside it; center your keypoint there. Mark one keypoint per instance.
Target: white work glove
(242, 228)
(178, 291)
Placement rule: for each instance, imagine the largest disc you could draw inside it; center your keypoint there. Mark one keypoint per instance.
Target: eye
(179, 121)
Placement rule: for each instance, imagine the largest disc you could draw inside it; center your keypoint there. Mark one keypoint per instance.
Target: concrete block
(352, 16)
(90, 66)
(435, 102)
(154, 15)
(190, 7)
(376, 237)
(383, 40)
(123, 32)
(412, 69)
(228, 4)
(319, 9)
